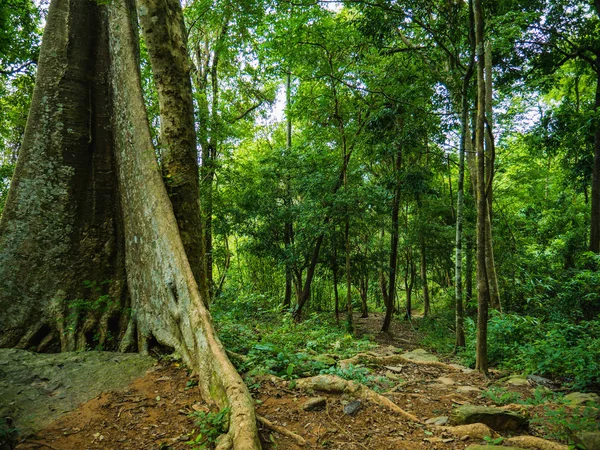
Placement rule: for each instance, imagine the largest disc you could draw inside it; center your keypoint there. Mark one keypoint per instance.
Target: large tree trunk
(164, 32)
(61, 227)
(61, 252)
(165, 298)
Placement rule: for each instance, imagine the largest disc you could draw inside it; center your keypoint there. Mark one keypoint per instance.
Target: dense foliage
(373, 109)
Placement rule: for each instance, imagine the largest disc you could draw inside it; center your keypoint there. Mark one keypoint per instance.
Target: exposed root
(336, 385)
(535, 443)
(376, 360)
(281, 430)
(473, 431)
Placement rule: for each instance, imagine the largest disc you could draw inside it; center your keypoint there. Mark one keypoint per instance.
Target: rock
(535, 443)
(314, 404)
(396, 369)
(495, 447)
(591, 439)
(472, 431)
(580, 398)
(441, 420)
(541, 381)
(37, 389)
(467, 389)
(496, 418)
(352, 407)
(420, 355)
(446, 381)
(517, 380)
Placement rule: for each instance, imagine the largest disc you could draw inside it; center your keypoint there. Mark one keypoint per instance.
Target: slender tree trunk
(334, 269)
(349, 318)
(382, 280)
(426, 300)
(460, 202)
(165, 35)
(483, 294)
(595, 213)
(489, 145)
(394, 239)
(468, 269)
(287, 302)
(61, 247)
(364, 293)
(458, 287)
(409, 282)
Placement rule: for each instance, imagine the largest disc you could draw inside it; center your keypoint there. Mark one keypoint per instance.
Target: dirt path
(153, 412)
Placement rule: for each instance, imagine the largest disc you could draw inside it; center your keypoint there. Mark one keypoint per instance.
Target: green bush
(255, 326)
(562, 350)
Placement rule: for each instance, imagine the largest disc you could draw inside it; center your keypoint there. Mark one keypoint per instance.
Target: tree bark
(394, 239)
(595, 212)
(426, 300)
(62, 282)
(460, 203)
(164, 32)
(165, 299)
(334, 270)
(288, 232)
(489, 145)
(483, 296)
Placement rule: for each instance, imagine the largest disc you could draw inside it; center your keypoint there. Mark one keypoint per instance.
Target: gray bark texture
(61, 256)
(65, 229)
(165, 297)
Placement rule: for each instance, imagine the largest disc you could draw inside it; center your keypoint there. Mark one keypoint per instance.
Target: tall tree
(483, 294)
(166, 39)
(61, 215)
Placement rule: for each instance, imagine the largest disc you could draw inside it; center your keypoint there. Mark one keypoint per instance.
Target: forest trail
(153, 413)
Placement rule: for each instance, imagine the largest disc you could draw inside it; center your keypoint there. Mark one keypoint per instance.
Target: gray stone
(420, 355)
(591, 439)
(314, 404)
(441, 420)
(580, 398)
(37, 389)
(541, 381)
(352, 407)
(496, 418)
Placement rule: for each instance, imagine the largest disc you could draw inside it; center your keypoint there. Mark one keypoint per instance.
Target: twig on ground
(281, 430)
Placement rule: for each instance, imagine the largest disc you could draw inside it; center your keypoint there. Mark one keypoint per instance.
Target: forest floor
(154, 412)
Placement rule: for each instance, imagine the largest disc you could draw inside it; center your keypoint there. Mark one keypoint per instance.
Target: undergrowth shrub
(255, 326)
(559, 349)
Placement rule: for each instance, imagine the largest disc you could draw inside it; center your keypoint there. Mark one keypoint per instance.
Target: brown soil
(153, 412)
